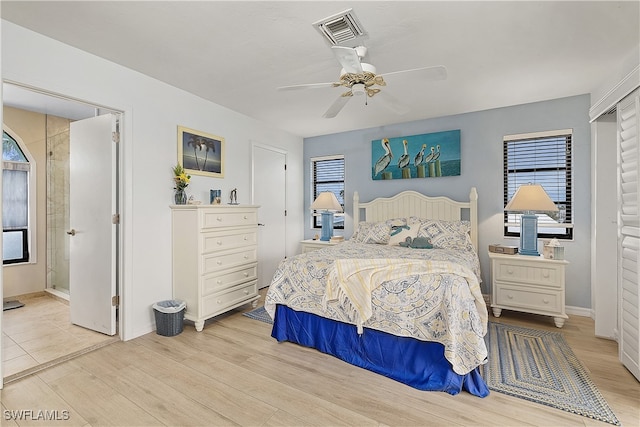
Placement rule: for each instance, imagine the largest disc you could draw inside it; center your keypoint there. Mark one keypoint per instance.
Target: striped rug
(541, 367)
(259, 314)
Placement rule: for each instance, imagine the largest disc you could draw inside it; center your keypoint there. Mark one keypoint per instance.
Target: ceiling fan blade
(392, 103)
(348, 58)
(309, 86)
(337, 105)
(437, 72)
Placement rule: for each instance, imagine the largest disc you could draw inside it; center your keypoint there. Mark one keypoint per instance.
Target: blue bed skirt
(419, 364)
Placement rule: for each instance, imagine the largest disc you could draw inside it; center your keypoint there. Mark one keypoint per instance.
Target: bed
(400, 298)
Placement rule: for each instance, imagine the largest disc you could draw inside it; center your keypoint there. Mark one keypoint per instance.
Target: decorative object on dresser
(214, 257)
(529, 199)
(528, 284)
(500, 249)
(328, 203)
(181, 182)
(553, 250)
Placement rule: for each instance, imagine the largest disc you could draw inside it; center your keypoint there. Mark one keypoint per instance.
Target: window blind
(545, 159)
(328, 175)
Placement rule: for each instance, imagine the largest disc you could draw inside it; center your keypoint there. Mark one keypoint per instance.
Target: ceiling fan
(361, 79)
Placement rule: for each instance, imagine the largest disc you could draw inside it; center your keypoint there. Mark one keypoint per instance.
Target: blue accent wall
(481, 136)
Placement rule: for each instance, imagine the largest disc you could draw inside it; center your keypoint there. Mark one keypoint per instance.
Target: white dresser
(530, 284)
(214, 257)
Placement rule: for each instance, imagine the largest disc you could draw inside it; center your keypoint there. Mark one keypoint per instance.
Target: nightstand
(531, 284)
(310, 245)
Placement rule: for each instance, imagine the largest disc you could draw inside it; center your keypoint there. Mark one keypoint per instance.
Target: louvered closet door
(629, 232)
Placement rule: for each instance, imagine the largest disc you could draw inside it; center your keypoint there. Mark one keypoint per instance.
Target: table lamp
(328, 202)
(529, 199)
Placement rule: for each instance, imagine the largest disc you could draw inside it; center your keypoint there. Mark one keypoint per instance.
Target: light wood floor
(40, 333)
(234, 373)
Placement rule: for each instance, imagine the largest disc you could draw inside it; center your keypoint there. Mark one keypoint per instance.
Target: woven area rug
(259, 314)
(541, 367)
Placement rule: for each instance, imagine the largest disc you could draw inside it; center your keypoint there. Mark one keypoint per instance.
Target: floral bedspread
(434, 306)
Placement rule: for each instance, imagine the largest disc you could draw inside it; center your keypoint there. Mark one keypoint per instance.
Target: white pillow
(372, 232)
(447, 234)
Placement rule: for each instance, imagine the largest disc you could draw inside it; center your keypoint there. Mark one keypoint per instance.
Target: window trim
(315, 219)
(565, 230)
(33, 206)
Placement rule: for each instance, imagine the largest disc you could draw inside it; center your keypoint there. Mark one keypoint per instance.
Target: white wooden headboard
(412, 203)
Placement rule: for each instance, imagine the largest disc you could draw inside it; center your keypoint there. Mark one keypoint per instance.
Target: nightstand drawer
(529, 299)
(529, 274)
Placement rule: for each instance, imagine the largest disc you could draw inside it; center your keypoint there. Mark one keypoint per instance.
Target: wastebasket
(169, 317)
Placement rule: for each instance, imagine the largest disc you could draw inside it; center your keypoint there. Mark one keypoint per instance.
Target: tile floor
(41, 333)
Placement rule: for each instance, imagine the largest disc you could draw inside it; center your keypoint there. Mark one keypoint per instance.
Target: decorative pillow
(372, 232)
(399, 233)
(447, 234)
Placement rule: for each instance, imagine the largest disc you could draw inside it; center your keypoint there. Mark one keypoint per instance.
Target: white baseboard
(579, 311)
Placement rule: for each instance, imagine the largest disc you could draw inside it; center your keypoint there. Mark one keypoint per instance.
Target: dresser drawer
(217, 282)
(216, 219)
(218, 241)
(548, 276)
(533, 299)
(219, 302)
(215, 262)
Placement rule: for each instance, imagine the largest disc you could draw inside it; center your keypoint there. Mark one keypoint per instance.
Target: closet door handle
(71, 232)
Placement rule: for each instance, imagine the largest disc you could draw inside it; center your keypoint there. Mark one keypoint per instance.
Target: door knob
(71, 232)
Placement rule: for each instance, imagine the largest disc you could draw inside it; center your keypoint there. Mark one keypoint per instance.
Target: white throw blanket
(351, 281)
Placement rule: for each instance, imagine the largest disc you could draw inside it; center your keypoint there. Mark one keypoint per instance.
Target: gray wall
(481, 164)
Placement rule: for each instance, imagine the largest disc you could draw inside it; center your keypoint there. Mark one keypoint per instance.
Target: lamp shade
(326, 200)
(531, 198)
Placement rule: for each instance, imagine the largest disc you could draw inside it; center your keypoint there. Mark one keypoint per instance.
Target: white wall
(152, 112)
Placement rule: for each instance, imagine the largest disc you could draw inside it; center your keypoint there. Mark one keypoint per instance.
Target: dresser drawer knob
(510, 296)
(219, 282)
(219, 302)
(246, 292)
(219, 262)
(246, 238)
(219, 242)
(509, 270)
(219, 218)
(246, 256)
(245, 217)
(545, 274)
(246, 274)
(546, 301)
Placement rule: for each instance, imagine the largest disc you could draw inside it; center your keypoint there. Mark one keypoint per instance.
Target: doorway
(37, 346)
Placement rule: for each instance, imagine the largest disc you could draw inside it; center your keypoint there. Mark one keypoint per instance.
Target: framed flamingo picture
(200, 153)
(428, 155)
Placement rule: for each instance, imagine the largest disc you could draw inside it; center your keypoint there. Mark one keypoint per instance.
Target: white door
(629, 231)
(92, 234)
(269, 191)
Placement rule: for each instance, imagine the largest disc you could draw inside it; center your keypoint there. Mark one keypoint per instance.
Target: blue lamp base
(327, 226)
(529, 235)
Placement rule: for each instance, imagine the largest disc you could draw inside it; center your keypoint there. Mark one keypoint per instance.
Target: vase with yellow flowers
(181, 181)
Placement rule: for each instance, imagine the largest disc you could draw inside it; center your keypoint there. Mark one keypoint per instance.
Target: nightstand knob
(546, 301)
(219, 218)
(510, 296)
(219, 262)
(509, 270)
(219, 242)
(246, 274)
(545, 274)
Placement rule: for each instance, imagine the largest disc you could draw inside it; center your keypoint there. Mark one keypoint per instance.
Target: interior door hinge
(115, 218)
(115, 136)
(115, 300)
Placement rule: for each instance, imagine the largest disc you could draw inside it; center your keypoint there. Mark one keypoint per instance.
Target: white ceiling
(237, 53)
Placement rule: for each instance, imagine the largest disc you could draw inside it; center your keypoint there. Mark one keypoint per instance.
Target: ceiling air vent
(341, 28)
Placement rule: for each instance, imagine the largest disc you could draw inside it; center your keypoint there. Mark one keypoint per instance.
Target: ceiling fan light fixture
(358, 89)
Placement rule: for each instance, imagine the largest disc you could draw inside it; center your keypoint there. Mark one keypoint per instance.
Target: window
(540, 158)
(16, 180)
(327, 174)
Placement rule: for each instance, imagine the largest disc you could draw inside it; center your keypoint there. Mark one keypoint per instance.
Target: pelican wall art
(417, 156)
